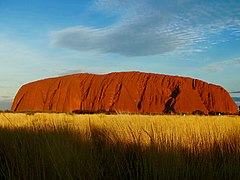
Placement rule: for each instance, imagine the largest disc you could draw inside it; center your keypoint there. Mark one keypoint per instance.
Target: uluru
(131, 92)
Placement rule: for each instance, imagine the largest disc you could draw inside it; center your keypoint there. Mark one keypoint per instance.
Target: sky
(193, 38)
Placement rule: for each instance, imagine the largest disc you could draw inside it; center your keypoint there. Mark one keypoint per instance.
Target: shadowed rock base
(133, 92)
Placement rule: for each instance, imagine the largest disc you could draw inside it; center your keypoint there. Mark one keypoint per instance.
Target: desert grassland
(99, 146)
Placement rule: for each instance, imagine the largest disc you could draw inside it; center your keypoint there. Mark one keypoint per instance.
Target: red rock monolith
(133, 92)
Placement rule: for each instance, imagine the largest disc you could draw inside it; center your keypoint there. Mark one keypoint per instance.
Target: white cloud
(150, 27)
(62, 71)
(6, 98)
(219, 66)
(67, 71)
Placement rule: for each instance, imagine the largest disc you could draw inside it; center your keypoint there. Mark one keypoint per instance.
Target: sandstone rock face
(133, 92)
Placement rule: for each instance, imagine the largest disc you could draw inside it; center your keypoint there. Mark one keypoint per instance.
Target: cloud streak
(235, 92)
(68, 71)
(152, 27)
(6, 97)
(219, 66)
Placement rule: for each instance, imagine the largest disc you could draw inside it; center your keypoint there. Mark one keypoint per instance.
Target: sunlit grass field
(99, 146)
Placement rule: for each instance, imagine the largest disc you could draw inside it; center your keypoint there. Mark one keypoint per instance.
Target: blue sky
(194, 38)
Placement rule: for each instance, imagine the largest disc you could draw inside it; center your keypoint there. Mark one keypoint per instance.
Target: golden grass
(184, 140)
(194, 132)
